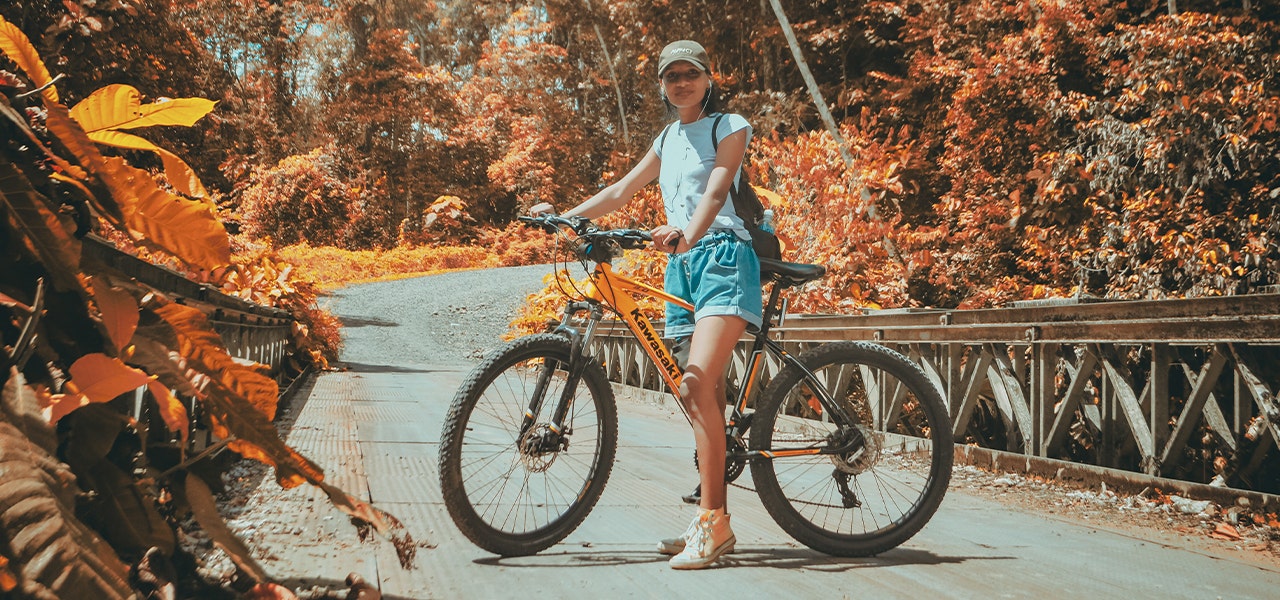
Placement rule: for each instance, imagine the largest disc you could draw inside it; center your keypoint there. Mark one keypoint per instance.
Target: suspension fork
(578, 342)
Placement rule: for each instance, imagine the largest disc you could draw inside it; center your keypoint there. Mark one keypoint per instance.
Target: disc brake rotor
(539, 448)
(866, 454)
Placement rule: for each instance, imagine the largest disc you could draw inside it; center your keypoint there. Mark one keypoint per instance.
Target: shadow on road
(804, 558)
(356, 367)
(348, 321)
(785, 558)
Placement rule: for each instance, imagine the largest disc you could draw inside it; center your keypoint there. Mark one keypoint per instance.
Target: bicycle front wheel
(861, 487)
(512, 483)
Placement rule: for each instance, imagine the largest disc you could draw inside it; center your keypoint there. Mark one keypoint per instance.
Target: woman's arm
(729, 156)
(616, 195)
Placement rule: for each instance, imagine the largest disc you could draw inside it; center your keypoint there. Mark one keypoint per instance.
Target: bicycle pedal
(695, 497)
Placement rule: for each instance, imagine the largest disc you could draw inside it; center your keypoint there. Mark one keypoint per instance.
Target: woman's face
(685, 84)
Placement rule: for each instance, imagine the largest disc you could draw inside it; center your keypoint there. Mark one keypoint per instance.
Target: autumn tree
(520, 106)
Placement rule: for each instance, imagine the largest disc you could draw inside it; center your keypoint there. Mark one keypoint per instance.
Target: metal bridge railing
(1183, 389)
(249, 331)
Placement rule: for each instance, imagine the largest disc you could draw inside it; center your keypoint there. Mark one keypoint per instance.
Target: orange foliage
(516, 245)
(329, 267)
(446, 220)
(315, 198)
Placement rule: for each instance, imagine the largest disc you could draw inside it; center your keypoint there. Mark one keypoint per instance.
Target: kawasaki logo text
(650, 338)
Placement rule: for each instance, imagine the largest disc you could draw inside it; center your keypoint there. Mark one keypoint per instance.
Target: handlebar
(588, 232)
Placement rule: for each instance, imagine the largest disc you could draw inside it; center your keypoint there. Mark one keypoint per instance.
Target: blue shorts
(720, 275)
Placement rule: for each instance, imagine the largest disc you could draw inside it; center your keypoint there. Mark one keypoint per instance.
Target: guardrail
(1182, 389)
(250, 331)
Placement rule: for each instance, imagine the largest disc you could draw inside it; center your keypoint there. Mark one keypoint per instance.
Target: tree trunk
(872, 212)
(613, 76)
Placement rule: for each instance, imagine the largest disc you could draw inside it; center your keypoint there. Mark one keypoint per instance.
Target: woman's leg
(703, 391)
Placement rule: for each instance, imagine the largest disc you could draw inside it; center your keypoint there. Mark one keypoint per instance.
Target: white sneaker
(703, 546)
(675, 546)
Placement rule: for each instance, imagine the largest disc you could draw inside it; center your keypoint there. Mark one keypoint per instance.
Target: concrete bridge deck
(376, 431)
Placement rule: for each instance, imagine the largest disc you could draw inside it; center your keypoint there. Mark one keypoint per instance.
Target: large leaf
(42, 233)
(18, 48)
(120, 107)
(118, 310)
(187, 229)
(240, 401)
(232, 415)
(101, 378)
(184, 228)
(180, 174)
(116, 107)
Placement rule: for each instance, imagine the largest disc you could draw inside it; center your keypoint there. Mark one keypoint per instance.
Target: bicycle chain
(792, 500)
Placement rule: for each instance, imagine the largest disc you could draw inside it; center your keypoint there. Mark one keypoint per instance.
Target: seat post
(770, 309)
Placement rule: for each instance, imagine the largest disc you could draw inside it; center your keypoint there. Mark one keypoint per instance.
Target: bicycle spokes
(852, 449)
(519, 468)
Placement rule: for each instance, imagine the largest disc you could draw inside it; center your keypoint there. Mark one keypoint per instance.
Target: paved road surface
(376, 427)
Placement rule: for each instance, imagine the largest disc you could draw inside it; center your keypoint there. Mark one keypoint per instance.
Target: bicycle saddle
(789, 273)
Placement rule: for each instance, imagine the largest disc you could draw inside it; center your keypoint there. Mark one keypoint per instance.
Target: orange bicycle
(849, 444)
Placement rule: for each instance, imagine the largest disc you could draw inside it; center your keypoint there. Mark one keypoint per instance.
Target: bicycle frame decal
(645, 330)
(753, 372)
(612, 289)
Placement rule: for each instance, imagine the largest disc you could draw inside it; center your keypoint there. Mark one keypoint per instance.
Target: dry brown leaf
(1225, 531)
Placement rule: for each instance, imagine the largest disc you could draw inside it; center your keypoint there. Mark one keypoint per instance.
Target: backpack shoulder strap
(715, 127)
(715, 145)
(662, 139)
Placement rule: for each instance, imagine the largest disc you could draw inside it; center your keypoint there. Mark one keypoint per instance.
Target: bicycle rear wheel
(895, 456)
(515, 486)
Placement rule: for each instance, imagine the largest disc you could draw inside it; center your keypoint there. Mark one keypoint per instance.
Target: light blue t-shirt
(688, 155)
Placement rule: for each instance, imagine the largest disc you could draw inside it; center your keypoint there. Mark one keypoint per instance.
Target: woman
(712, 266)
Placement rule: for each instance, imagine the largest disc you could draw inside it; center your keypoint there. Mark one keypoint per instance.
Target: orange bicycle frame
(615, 290)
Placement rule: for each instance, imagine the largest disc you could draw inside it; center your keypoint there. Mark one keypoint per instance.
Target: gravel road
(445, 319)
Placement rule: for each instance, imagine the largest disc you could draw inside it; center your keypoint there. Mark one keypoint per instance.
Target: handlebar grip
(550, 223)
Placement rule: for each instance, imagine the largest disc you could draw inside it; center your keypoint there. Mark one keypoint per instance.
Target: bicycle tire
(492, 402)
(898, 488)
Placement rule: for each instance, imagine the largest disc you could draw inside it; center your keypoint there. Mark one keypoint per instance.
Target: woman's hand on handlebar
(542, 208)
(669, 239)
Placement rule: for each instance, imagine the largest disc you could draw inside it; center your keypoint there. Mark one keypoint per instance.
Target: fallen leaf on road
(1225, 531)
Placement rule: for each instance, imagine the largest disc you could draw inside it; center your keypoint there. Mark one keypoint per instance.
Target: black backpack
(746, 203)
